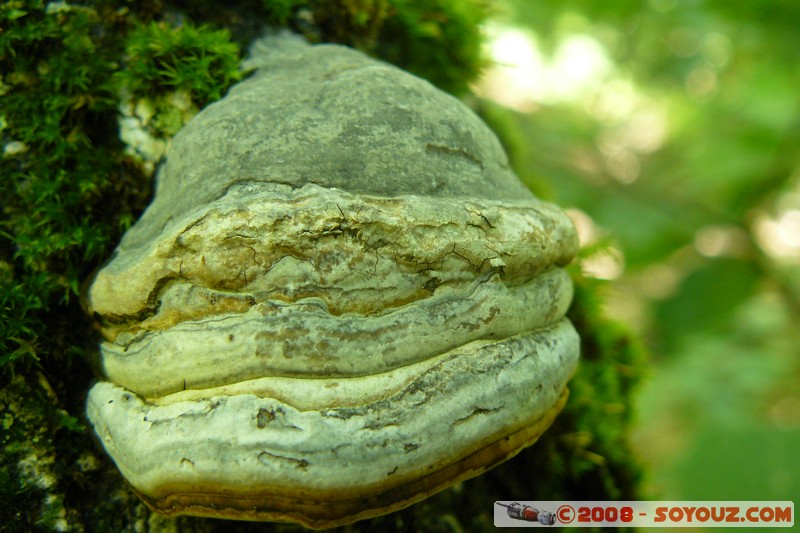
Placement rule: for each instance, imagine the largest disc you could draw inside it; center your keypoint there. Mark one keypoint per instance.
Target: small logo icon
(518, 511)
(565, 514)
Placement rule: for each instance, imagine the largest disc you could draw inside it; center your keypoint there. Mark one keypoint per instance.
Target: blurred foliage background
(672, 130)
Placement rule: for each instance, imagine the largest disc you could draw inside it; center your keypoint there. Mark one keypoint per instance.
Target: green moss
(439, 40)
(21, 515)
(160, 58)
(598, 456)
(169, 73)
(57, 96)
(29, 467)
(68, 191)
(67, 188)
(281, 12)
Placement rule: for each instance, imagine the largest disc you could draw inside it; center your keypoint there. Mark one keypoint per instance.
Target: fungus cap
(340, 301)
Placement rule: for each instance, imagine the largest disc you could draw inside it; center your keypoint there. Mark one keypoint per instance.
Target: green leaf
(706, 299)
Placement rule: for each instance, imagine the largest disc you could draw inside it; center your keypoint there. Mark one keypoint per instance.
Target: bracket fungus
(340, 301)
